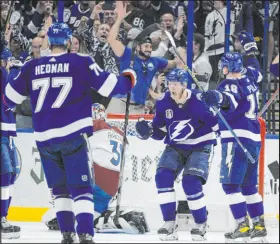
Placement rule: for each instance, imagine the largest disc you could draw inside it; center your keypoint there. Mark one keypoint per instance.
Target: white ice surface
(38, 233)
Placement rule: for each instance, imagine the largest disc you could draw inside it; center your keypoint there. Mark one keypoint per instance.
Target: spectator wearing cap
(144, 65)
(201, 66)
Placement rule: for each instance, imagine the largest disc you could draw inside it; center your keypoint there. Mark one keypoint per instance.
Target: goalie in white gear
(106, 144)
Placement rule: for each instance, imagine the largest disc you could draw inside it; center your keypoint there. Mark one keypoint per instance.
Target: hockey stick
(11, 8)
(275, 94)
(215, 109)
(120, 183)
(147, 31)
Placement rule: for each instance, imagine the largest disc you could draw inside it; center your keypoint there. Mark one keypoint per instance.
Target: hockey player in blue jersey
(59, 87)
(9, 160)
(189, 131)
(238, 100)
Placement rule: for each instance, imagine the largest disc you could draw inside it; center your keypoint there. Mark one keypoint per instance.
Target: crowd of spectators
(107, 31)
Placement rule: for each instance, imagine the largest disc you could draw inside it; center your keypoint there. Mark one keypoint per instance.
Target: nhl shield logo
(169, 114)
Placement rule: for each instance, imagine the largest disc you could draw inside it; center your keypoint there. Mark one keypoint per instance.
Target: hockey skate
(258, 233)
(86, 238)
(168, 232)
(69, 237)
(199, 232)
(9, 231)
(241, 234)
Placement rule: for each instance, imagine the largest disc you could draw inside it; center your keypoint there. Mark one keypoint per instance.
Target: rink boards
(31, 197)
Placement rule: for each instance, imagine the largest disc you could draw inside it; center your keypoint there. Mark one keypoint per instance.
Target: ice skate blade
(239, 240)
(170, 237)
(259, 240)
(199, 238)
(12, 235)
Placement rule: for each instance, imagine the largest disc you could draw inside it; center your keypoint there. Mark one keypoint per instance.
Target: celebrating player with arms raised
(237, 97)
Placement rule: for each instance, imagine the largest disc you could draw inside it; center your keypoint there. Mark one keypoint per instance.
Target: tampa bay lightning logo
(180, 130)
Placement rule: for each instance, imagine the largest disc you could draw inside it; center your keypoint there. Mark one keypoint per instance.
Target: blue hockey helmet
(177, 75)
(6, 54)
(248, 41)
(59, 34)
(233, 61)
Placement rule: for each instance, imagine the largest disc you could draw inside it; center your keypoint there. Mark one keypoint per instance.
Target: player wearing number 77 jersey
(106, 145)
(238, 100)
(59, 89)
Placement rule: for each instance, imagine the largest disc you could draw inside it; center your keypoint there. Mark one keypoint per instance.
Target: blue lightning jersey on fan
(8, 120)
(145, 70)
(192, 126)
(242, 95)
(74, 15)
(59, 89)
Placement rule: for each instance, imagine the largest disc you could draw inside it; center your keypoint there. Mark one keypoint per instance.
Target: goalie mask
(98, 111)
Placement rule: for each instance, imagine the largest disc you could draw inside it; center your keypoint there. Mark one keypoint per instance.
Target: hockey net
(139, 189)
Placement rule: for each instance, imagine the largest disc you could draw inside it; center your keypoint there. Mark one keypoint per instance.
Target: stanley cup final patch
(169, 114)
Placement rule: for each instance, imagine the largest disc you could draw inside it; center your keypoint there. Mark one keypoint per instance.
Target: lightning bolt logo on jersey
(191, 126)
(229, 157)
(180, 130)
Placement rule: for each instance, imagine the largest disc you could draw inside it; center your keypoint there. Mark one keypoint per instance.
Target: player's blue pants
(193, 162)
(236, 167)
(239, 178)
(9, 160)
(67, 164)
